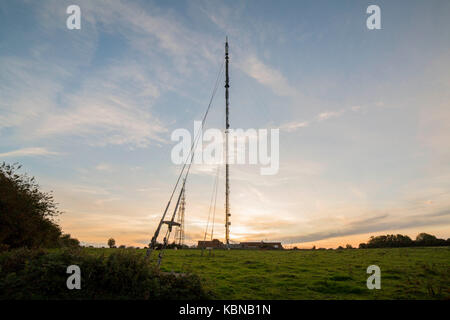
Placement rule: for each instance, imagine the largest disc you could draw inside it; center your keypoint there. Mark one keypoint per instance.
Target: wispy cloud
(268, 76)
(110, 104)
(28, 152)
(103, 111)
(292, 126)
(329, 114)
(322, 116)
(377, 223)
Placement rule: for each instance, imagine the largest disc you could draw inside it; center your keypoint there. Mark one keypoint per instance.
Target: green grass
(406, 273)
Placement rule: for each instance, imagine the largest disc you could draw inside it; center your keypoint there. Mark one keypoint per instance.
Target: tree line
(396, 241)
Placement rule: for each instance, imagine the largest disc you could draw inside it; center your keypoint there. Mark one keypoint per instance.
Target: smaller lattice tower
(179, 233)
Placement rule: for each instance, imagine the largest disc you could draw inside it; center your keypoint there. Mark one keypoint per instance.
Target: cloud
(441, 213)
(150, 29)
(267, 76)
(293, 126)
(110, 107)
(377, 223)
(104, 167)
(326, 115)
(46, 94)
(329, 114)
(228, 20)
(27, 152)
(103, 122)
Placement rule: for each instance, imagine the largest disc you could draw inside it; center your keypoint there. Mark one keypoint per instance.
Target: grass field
(406, 273)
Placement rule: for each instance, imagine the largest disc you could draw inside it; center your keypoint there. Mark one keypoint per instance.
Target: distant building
(261, 245)
(216, 244)
(210, 244)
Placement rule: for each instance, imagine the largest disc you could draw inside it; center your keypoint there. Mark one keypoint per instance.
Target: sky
(363, 114)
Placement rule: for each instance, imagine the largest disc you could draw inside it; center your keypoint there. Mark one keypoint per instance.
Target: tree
(389, 241)
(69, 242)
(111, 243)
(425, 239)
(425, 236)
(348, 246)
(27, 213)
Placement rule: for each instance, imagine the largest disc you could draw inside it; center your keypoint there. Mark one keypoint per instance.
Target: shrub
(125, 274)
(66, 241)
(27, 213)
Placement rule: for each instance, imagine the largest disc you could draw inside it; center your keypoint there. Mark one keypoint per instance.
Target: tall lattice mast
(179, 234)
(227, 126)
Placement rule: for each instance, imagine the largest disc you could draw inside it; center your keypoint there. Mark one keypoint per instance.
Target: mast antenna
(227, 126)
(179, 234)
(181, 197)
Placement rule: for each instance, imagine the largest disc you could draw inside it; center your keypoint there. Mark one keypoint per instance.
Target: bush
(27, 213)
(66, 241)
(125, 274)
